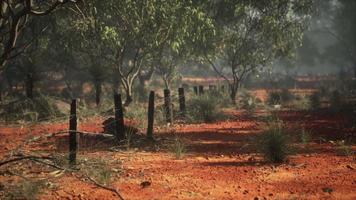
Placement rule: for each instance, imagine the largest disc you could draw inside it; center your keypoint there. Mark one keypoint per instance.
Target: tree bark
(150, 113)
(98, 92)
(128, 92)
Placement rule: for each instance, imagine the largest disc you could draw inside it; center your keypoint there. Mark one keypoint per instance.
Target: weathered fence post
(168, 106)
(119, 118)
(181, 101)
(151, 111)
(73, 144)
(201, 90)
(195, 90)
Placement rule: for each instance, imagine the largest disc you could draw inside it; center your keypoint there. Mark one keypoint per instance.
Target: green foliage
(314, 101)
(178, 148)
(40, 108)
(280, 97)
(343, 149)
(274, 143)
(203, 108)
(305, 136)
(25, 189)
(98, 170)
(137, 113)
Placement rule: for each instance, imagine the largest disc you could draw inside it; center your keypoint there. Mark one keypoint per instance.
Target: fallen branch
(24, 158)
(103, 186)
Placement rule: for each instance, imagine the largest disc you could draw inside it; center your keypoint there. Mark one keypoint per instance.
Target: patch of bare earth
(221, 163)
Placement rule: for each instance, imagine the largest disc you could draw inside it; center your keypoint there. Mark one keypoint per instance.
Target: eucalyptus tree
(251, 34)
(135, 30)
(14, 18)
(343, 29)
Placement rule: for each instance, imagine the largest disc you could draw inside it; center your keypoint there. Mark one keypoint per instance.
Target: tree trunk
(29, 85)
(128, 92)
(234, 87)
(97, 92)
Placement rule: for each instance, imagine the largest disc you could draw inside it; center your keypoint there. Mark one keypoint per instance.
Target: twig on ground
(102, 186)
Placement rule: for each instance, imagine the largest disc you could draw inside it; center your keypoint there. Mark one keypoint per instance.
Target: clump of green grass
(274, 143)
(305, 137)
(98, 170)
(178, 148)
(314, 101)
(26, 189)
(343, 149)
(203, 108)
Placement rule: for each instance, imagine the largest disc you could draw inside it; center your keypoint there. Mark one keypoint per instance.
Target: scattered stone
(327, 189)
(145, 184)
(350, 167)
(245, 192)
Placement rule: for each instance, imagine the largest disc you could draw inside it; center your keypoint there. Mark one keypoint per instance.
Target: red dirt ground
(221, 162)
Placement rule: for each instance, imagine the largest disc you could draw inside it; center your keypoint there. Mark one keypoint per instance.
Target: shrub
(249, 102)
(138, 114)
(305, 137)
(178, 148)
(274, 143)
(98, 170)
(40, 108)
(26, 189)
(343, 149)
(314, 101)
(336, 100)
(279, 97)
(203, 108)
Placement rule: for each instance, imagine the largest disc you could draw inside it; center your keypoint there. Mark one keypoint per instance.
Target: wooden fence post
(181, 97)
(151, 111)
(119, 118)
(73, 144)
(201, 90)
(195, 90)
(168, 106)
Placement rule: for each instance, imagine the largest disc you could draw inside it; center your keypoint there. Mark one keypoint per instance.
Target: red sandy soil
(221, 163)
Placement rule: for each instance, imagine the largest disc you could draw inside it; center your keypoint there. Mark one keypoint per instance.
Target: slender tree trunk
(234, 88)
(29, 85)
(98, 92)
(128, 92)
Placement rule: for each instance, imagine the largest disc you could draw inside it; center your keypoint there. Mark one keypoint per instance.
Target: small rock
(245, 192)
(145, 184)
(270, 194)
(350, 167)
(327, 189)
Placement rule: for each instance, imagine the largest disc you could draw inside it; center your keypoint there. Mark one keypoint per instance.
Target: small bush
(274, 143)
(249, 102)
(305, 137)
(314, 101)
(178, 148)
(98, 170)
(40, 108)
(26, 189)
(279, 97)
(343, 149)
(138, 114)
(203, 108)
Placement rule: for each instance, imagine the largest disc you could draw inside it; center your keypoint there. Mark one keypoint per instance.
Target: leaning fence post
(181, 101)
(167, 106)
(151, 111)
(119, 118)
(195, 90)
(73, 144)
(201, 90)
